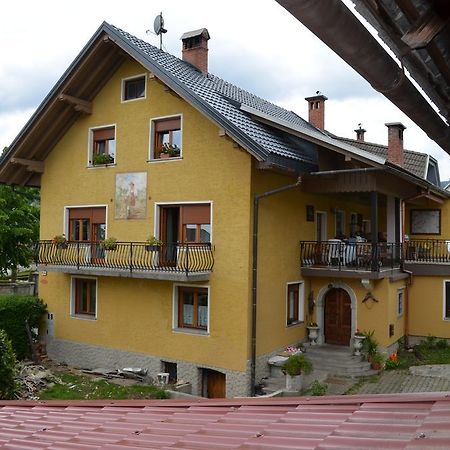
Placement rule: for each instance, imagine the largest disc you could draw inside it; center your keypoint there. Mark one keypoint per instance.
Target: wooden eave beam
(30, 165)
(79, 105)
(427, 195)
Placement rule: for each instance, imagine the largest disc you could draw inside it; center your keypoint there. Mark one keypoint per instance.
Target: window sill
(133, 99)
(295, 324)
(159, 160)
(101, 166)
(83, 317)
(190, 331)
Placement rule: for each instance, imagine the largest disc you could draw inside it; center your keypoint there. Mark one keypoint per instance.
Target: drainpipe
(256, 200)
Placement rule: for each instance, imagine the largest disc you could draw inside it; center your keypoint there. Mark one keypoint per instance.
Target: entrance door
(338, 317)
(213, 384)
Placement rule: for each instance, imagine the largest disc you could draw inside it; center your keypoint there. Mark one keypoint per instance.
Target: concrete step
(274, 384)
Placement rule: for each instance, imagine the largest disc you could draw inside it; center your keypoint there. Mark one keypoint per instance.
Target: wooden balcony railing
(350, 256)
(131, 256)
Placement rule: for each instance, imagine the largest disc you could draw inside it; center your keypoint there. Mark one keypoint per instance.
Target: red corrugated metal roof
(399, 421)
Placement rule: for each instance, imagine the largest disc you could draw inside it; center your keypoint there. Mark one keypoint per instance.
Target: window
(192, 308)
(133, 88)
(447, 300)
(84, 297)
(166, 138)
(102, 149)
(400, 302)
(340, 223)
(295, 309)
(87, 224)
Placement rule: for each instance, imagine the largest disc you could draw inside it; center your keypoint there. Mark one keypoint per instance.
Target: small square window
(294, 307)
(84, 297)
(400, 302)
(166, 138)
(133, 88)
(102, 147)
(192, 311)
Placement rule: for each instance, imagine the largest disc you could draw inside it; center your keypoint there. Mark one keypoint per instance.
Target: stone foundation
(89, 356)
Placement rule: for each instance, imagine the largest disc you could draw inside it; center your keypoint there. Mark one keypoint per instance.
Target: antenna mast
(158, 26)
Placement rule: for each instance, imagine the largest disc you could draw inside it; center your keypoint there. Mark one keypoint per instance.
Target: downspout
(256, 200)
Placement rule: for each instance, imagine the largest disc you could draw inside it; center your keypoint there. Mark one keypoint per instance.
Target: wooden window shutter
(173, 123)
(104, 134)
(96, 215)
(196, 214)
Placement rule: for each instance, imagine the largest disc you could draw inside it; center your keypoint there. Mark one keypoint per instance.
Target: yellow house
(192, 228)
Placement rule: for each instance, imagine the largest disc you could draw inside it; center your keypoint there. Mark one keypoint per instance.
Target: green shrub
(297, 364)
(15, 310)
(318, 389)
(370, 344)
(442, 343)
(391, 365)
(429, 342)
(7, 368)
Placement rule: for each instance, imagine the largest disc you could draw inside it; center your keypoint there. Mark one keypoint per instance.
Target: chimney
(195, 48)
(395, 143)
(360, 133)
(316, 110)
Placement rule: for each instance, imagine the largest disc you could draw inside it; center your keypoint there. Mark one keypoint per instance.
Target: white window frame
(175, 327)
(90, 149)
(339, 211)
(151, 140)
(400, 293)
(301, 303)
(133, 77)
(73, 315)
(443, 303)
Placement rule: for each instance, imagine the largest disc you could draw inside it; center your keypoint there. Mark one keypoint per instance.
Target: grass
(427, 352)
(360, 383)
(79, 387)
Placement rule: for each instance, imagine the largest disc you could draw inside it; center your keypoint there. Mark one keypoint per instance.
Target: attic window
(133, 88)
(102, 146)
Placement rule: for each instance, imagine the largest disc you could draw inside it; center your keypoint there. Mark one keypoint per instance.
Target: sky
(255, 44)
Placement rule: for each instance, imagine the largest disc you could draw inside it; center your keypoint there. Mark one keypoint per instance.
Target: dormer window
(133, 88)
(102, 147)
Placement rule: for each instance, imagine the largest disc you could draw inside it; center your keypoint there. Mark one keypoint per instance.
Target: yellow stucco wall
(136, 315)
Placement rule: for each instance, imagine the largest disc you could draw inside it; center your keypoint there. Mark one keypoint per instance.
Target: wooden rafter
(30, 165)
(79, 104)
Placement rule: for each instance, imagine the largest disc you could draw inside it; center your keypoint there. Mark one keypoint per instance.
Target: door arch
(337, 317)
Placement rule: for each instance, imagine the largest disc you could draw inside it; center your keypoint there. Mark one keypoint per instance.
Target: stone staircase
(328, 361)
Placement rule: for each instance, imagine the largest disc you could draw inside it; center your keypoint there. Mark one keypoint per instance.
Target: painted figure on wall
(131, 195)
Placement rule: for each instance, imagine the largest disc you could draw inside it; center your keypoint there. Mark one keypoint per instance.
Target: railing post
(131, 257)
(187, 259)
(78, 255)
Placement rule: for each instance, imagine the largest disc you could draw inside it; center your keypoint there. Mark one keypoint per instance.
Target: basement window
(133, 88)
(166, 137)
(102, 146)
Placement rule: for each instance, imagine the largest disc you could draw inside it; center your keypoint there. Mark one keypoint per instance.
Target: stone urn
(313, 334)
(358, 340)
(294, 383)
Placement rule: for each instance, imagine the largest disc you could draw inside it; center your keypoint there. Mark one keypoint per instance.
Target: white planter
(294, 384)
(313, 334)
(358, 344)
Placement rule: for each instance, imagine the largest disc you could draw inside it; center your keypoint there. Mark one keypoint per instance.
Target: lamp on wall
(367, 284)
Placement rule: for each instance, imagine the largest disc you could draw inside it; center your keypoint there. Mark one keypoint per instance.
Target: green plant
(296, 365)
(429, 342)
(370, 344)
(391, 365)
(7, 368)
(109, 244)
(15, 311)
(318, 389)
(441, 343)
(153, 241)
(103, 159)
(312, 324)
(170, 149)
(59, 240)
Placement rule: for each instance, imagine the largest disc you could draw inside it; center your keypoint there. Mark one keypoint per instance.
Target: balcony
(169, 261)
(427, 257)
(350, 260)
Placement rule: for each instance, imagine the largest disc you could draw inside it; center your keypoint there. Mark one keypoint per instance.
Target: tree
(19, 227)
(7, 368)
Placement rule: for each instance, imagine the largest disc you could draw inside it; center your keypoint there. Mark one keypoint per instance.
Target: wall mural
(425, 221)
(131, 195)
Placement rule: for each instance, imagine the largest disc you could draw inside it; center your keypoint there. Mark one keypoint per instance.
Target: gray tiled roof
(415, 162)
(226, 99)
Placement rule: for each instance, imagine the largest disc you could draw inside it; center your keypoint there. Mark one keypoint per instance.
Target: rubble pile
(32, 378)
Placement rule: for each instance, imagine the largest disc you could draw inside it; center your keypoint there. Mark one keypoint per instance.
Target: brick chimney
(395, 143)
(195, 48)
(360, 133)
(316, 110)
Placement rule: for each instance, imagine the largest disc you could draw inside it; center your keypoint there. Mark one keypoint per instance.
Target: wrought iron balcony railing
(350, 256)
(428, 251)
(132, 256)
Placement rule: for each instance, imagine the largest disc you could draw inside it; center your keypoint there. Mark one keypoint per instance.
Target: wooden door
(215, 383)
(338, 317)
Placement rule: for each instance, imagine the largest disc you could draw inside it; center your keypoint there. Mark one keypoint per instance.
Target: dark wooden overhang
(71, 97)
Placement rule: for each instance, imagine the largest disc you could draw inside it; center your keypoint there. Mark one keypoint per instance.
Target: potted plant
(377, 361)
(358, 340)
(60, 241)
(170, 151)
(313, 332)
(103, 158)
(109, 244)
(370, 345)
(152, 244)
(294, 367)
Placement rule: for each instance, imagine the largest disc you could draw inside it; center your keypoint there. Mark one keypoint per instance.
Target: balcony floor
(108, 272)
(348, 272)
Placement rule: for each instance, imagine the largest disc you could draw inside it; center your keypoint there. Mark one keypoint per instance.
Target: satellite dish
(158, 26)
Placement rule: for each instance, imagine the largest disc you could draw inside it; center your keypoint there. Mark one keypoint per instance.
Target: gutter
(256, 200)
(336, 26)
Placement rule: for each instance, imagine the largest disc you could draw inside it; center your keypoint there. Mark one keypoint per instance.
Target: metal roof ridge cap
(326, 138)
